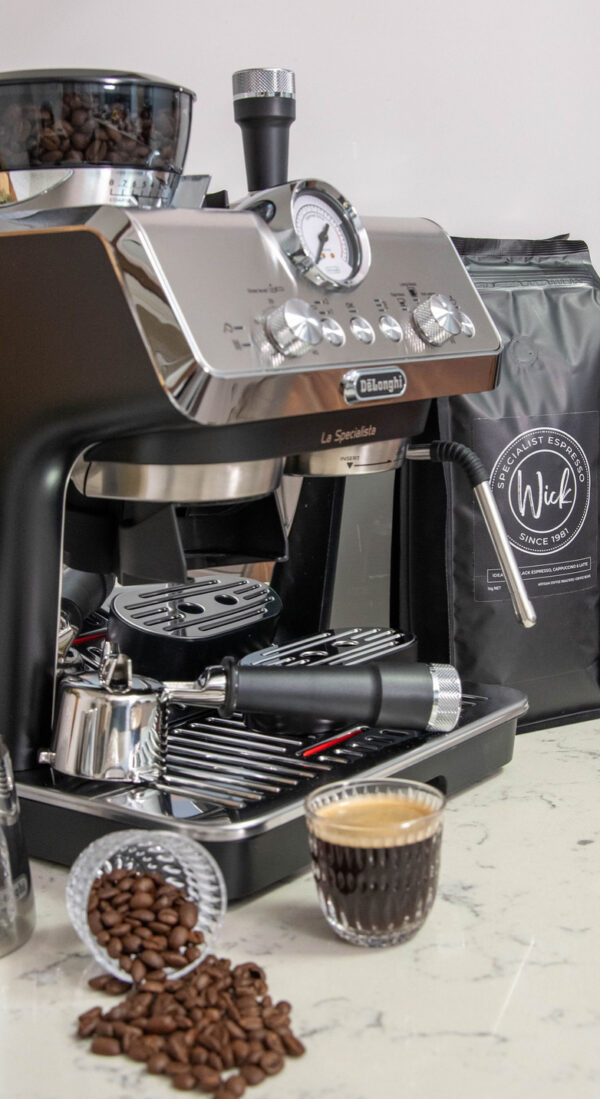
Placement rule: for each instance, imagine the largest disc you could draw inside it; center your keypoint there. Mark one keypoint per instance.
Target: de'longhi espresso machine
(187, 384)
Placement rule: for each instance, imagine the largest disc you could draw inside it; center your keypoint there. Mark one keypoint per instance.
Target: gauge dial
(332, 246)
(325, 237)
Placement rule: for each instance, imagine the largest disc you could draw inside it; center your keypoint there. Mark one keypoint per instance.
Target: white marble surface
(497, 996)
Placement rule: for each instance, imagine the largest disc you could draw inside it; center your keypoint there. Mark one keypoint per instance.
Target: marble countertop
(498, 995)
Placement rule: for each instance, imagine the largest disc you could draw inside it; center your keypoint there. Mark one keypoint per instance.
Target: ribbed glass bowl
(180, 861)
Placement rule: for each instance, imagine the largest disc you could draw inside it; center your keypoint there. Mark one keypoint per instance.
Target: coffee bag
(538, 434)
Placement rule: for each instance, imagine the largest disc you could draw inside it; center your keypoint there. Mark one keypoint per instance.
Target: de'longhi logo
(541, 482)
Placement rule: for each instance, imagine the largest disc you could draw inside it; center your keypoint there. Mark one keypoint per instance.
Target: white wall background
(481, 114)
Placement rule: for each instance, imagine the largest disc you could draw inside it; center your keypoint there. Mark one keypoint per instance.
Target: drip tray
(240, 792)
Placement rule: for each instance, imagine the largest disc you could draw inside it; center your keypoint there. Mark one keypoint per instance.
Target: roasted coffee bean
(106, 1047)
(146, 915)
(121, 929)
(252, 1074)
(178, 937)
(95, 921)
(293, 1046)
(138, 971)
(139, 1050)
(146, 884)
(208, 1079)
(109, 917)
(272, 1041)
(88, 1022)
(236, 1085)
(188, 914)
(229, 1090)
(174, 960)
(151, 959)
(141, 900)
(184, 1081)
(104, 1029)
(271, 1063)
(240, 1051)
(177, 1048)
(160, 1024)
(132, 943)
(188, 1028)
(167, 916)
(157, 1063)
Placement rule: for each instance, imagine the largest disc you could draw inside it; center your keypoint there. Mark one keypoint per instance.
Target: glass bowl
(180, 861)
(52, 118)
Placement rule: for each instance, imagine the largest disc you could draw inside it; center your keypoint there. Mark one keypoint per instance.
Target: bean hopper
(187, 384)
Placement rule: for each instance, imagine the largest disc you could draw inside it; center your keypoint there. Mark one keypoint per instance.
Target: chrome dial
(438, 319)
(294, 327)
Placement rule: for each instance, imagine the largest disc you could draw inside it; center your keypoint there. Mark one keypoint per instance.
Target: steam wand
(476, 472)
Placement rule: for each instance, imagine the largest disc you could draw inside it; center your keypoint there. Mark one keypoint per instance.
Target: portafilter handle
(411, 696)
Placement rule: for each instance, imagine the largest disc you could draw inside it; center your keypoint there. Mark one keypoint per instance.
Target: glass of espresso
(375, 849)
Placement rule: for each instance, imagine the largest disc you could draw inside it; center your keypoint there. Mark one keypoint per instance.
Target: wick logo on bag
(541, 482)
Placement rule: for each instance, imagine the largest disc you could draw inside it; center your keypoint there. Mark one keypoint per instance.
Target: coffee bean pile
(84, 128)
(215, 1030)
(143, 922)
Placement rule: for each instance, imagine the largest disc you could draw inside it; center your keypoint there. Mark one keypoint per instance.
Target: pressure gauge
(318, 230)
(332, 245)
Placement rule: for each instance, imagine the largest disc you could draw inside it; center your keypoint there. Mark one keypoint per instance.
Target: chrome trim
(349, 460)
(263, 83)
(141, 188)
(177, 483)
(221, 831)
(383, 376)
(282, 225)
(447, 698)
(522, 605)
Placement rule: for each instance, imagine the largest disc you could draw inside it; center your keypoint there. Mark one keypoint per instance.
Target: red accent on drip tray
(325, 744)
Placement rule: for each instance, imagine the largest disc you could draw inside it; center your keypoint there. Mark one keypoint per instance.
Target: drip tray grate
(225, 762)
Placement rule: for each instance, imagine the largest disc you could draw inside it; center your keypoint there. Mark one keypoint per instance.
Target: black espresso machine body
(162, 356)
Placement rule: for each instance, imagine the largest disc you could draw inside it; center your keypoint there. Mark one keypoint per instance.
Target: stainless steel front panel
(201, 284)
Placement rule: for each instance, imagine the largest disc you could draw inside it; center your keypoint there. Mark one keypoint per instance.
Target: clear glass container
(80, 118)
(180, 861)
(17, 907)
(375, 849)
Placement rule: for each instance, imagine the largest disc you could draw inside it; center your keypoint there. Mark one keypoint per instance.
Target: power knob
(294, 327)
(438, 319)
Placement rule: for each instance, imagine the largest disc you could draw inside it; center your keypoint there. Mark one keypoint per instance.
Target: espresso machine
(187, 384)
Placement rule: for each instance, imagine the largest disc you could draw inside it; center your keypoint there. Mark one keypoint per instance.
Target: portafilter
(112, 725)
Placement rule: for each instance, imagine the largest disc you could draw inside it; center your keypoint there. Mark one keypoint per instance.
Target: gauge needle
(322, 238)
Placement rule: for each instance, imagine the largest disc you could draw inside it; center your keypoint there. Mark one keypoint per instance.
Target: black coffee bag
(538, 435)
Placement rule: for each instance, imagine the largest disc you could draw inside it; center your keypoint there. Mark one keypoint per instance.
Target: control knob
(294, 327)
(437, 319)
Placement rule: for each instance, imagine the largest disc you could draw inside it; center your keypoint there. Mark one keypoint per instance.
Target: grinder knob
(294, 327)
(437, 319)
